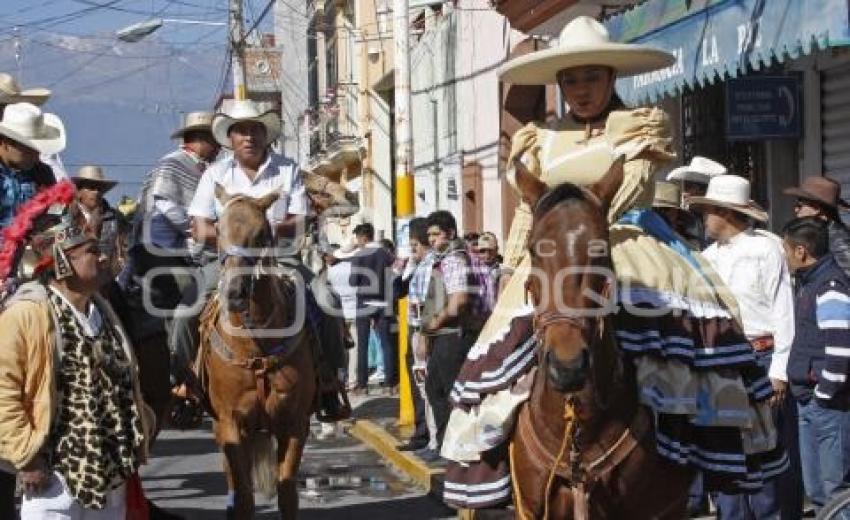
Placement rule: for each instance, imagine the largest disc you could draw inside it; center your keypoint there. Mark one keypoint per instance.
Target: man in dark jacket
(370, 269)
(820, 197)
(819, 363)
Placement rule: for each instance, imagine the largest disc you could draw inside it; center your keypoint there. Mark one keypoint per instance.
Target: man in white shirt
(252, 170)
(753, 265)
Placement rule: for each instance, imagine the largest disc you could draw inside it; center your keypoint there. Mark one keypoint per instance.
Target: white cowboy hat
(11, 92)
(26, 124)
(244, 110)
(731, 192)
(700, 170)
(583, 41)
(194, 121)
(93, 176)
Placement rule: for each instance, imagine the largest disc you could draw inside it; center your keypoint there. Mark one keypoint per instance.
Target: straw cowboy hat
(701, 170)
(583, 41)
(731, 192)
(93, 177)
(667, 195)
(26, 124)
(11, 92)
(244, 110)
(194, 121)
(488, 240)
(822, 190)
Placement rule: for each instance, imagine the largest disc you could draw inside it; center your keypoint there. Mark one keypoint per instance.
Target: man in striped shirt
(819, 363)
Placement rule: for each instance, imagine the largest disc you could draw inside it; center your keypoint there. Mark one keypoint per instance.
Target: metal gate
(835, 125)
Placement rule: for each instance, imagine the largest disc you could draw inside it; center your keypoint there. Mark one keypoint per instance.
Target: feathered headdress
(44, 219)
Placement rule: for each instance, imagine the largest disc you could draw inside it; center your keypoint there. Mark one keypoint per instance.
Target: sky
(119, 101)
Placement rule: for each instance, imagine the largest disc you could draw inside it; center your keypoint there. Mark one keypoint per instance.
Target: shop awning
(717, 38)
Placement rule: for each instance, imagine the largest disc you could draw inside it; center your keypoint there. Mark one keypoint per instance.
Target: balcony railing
(335, 141)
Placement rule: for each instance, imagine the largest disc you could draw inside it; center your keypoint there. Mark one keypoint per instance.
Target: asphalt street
(340, 478)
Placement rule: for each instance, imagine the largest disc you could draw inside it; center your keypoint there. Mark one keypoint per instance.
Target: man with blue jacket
(819, 363)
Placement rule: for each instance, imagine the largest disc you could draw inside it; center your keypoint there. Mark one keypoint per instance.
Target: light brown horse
(261, 379)
(583, 446)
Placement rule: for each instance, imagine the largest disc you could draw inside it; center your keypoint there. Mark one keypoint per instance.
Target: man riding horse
(256, 171)
(676, 325)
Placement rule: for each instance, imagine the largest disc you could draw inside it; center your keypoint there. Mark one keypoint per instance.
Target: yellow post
(404, 211)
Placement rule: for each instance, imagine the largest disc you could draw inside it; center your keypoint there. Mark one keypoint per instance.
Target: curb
(386, 446)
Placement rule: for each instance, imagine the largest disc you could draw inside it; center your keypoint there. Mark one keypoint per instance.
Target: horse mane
(553, 197)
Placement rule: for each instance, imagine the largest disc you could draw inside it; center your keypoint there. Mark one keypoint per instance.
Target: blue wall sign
(763, 107)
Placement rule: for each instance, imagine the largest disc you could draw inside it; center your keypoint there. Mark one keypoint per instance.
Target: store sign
(763, 107)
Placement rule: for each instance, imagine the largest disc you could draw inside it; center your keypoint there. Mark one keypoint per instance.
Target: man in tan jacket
(73, 426)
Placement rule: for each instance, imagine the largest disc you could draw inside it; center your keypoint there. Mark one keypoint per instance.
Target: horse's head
(243, 234)
(571, 269)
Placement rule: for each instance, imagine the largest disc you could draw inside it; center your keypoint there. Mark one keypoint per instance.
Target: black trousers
(448, 352)
(420, 427)
(7, 495)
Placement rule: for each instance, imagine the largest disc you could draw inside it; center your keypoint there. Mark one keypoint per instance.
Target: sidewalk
(375, 424)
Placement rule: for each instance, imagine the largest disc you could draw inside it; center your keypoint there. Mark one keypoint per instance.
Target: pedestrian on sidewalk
(413, 283)
(371, 276)
(820, 358)
(450, 319)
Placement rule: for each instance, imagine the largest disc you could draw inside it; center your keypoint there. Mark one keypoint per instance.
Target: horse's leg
(289, 451)
(237, 466)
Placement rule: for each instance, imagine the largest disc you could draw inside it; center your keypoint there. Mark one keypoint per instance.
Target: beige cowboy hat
(488, 240)
(11, 92)
(194, 121)
(667, 195)
(244, 110)
(700, 170)
(731, 192)
(583, 41)
(26, 124)
(93, 176)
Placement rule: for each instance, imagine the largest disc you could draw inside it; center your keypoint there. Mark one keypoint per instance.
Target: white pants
(56, 503)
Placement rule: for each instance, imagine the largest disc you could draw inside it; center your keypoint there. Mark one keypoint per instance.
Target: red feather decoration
(15, 235)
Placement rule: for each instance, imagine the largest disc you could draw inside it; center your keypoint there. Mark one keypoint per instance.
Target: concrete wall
(290, 30)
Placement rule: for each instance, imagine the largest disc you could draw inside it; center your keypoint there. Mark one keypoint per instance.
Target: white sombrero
(240, 111)
(731, 192)
(700, 170)
(11, 92)
(26, 124)
(194, 121)
(583, 41)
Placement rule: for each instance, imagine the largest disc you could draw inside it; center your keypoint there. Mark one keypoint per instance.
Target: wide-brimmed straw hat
(583, 41)
(240, 111)
(26, 124)
(11, 92)
(730, 192)
(667, 195)
(90, 176)
(194, 121)
(701, 170)
(822, 190)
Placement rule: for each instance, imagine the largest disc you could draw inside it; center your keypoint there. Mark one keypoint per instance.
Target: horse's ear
(221, 194)
(530, 187)
(265, 202)
(606, 187)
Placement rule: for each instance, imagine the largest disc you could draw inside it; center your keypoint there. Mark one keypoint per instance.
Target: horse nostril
(568, 377)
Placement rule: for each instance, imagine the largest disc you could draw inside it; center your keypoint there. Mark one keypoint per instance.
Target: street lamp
(137, 31)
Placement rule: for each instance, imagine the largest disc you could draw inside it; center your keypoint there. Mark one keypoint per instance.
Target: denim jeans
(824, 450)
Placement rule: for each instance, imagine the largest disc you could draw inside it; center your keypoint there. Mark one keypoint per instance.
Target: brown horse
(261, 379)
(583, 446)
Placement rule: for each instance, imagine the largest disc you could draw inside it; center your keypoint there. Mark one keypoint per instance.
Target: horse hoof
(229, 514)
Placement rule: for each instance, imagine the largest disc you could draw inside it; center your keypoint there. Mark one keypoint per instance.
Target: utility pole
(403, 183)
(237, 42)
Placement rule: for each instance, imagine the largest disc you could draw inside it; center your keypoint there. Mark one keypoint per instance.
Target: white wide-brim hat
(26, 124)
(701, 170)
(240, 111)
(11, 92)
(194, 121)
(583, 41)
(730, 192)
(93, 176)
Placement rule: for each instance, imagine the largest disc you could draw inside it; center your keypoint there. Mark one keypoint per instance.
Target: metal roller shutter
(835, 121)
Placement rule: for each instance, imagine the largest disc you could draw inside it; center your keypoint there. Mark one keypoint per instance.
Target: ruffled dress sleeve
(525, 146)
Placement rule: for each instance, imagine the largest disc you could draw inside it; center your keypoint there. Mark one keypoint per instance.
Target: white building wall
(377, 206)
(290, 35)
